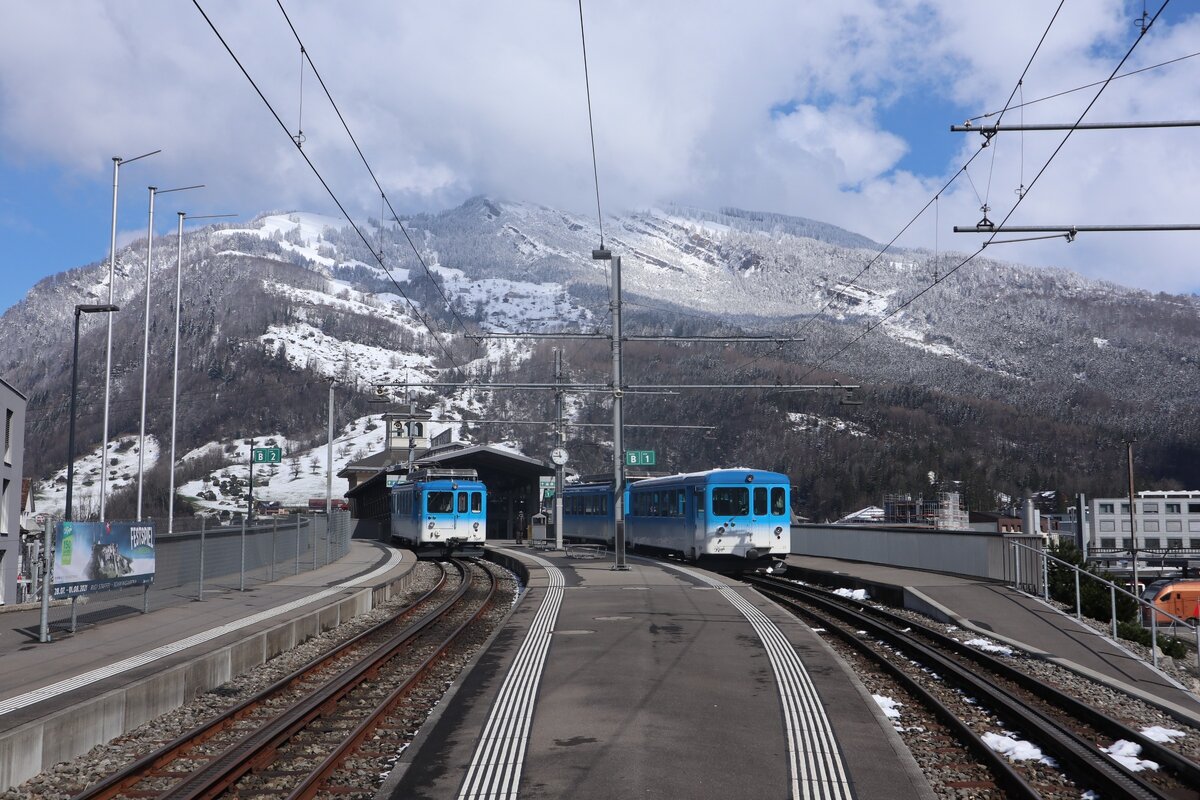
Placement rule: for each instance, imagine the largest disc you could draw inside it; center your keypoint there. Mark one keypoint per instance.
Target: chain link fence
(200, 558)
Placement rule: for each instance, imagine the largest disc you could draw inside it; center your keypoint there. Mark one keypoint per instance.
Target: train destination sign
(267, 455)
(639, 458)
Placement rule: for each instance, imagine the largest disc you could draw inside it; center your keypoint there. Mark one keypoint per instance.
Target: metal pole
(1080, 521)
(1154, 635)
(560, 436)
(618, 420)
(1045, 575)
(175, 374)
(242, 583)
(250, 493)
(1017, 562)
(297, 545)
(274, 530)
(145, 354)
(145, 598)
(47, 576)
(74, 618)
(1112, 591)
(71, 429)
(1132, 521)
(112, 271)
(200, 593)
(1079, 599)
(329, 474)
(312, 538)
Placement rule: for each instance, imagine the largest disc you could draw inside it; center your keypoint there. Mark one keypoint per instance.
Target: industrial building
(1161, 521)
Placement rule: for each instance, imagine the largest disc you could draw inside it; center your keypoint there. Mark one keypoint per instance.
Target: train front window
(462, 502)
(760, 501)
(731, 501)
(778, 501)
(440, 502)
(476, 502)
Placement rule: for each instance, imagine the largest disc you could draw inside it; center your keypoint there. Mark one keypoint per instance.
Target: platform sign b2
(267, 455)
(639, 458)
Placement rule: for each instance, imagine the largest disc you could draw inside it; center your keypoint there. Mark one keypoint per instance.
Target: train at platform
(729, 519)
(439, 512)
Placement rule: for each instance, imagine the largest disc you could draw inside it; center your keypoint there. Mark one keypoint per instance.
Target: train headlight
(721, 531)
(779, 533)
(475, 526)
(431, 526)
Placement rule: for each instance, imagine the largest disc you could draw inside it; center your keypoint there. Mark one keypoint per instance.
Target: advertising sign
(98, 556)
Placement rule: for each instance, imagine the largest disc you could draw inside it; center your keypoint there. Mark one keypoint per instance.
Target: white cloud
(454, 99)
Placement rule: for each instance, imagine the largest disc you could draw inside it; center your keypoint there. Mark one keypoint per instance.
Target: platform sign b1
(639, 458)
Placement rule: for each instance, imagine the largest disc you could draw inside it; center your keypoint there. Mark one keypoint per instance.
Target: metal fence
(201, 558)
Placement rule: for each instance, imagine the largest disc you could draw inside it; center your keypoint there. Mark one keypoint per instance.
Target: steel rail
(1013, 783)
(311, 786)
(1102, 773)
(132, 774)
(253, 750)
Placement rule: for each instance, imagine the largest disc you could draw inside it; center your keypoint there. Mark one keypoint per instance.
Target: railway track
(295, 738)
(1068, 729)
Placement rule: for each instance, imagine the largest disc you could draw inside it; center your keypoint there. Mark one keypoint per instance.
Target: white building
(1163, 520)
(12, 457)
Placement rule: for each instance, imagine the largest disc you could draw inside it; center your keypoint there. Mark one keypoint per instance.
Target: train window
(681, 503)
(476, 502)
(778, 501)
(440, 502)
(760, 501)
(462, 502)
(730, 501)
(604, 504)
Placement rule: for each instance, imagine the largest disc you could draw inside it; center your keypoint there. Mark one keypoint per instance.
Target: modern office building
(1162, 521)
(12, 406)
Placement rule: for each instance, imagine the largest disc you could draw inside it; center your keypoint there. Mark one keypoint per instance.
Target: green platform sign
(639, 458)
(267, 455)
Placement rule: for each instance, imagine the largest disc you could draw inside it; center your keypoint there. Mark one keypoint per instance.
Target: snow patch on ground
(1126, 754)
(1157, 733)
(1100, 343)
(1015, 749)
(890, 708)
(51, 495)
(989, 647)
(814, 422)
(306, 346)
(852, 594)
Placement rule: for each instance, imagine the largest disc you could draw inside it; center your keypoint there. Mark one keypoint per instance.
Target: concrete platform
(1002, 613)
(661, 682)
(59, 699)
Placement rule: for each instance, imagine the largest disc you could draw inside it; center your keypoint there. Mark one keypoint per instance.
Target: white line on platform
(820, 773)
(100, 673)
(495, 770)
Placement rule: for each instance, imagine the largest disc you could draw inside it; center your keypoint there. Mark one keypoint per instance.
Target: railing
(210, 557)
(1045, 560)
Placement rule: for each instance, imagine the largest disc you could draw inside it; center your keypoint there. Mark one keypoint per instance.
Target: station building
(512, 479)
(12, 461)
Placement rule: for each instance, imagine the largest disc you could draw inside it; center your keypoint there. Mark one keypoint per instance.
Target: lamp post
(175, 366)
(618, 390)
(79, 309)
(112, 269)
(146, 339)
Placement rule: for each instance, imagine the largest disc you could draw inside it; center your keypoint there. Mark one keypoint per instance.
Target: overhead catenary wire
(1016, 205)
(587, 85)
(362, 156)
(329, 190)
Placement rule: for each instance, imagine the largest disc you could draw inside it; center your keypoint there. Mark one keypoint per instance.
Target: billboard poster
(98, 556)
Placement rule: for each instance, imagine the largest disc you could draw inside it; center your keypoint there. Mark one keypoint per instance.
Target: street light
(85, 308)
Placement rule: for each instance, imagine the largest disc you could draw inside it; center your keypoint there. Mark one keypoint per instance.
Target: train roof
(730, 475)
(443, 483)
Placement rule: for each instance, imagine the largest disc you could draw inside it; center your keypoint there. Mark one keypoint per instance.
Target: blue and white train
(440, 512)
(729, 518)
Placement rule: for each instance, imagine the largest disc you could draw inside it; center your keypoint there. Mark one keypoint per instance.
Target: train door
(699, 522)
(760, 523)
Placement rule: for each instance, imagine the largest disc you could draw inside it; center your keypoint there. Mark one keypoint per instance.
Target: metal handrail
(1113, 589)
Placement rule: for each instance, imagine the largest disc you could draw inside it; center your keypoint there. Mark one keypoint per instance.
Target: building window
(1153, 544)
(1107, 508)
(1194, 508)
(1195, 544)
(8, 424)
(1150, 526)
(1194, 525)
(1172, 508)
(4, 512)
(1174, 525)
(1108, 544)
(1175, 544)
(1149, 508)
(1125, 526)
(1124, 508)
(1107, 525)
(1127, 544)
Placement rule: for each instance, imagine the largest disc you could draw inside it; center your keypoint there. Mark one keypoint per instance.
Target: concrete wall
(983, 555)
(63, 735)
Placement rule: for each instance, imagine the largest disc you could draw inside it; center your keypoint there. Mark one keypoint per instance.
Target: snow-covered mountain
(275, 308)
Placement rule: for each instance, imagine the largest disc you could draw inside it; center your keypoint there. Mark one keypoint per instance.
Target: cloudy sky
(834, 111)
